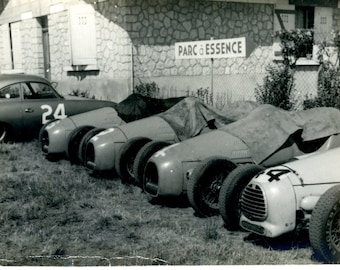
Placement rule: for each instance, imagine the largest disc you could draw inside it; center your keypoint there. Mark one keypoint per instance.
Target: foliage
(328, 93)
(294, 44)
(147, 89)
(204, 95)
(78, 93)
(278, 85)
(277, 88)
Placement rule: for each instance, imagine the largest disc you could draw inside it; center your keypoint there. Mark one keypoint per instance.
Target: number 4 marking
(276, 173)
(59, 112)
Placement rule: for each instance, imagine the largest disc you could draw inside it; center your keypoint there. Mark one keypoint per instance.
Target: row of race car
(264, 169)
(261, 168)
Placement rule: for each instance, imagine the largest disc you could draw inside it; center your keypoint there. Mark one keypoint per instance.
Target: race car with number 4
(301, 194)
(27, 102)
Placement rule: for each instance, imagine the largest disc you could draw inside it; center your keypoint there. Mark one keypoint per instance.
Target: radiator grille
(253, 203)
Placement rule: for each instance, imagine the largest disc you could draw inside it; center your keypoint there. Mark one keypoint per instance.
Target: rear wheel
(143, 156)
(74, 140)
(230, 193)
(324, 228)
(4, 133)
(126, 157)
(84, 141)
(205, 183)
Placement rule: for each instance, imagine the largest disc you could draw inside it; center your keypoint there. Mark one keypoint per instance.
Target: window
(304, 17)
(305, 20)
(38, 91)
(10, 92)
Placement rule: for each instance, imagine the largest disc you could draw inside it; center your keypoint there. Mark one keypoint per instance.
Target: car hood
(191, 116)
(316, 168)
(267, 128)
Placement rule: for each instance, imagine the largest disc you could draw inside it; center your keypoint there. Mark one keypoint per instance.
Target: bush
(147, 89)
(277, 87)
(78, 93)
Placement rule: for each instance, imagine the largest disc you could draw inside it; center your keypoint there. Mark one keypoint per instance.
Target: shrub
(277, 87)
(78, 93)
(329, 78)
(147, 89)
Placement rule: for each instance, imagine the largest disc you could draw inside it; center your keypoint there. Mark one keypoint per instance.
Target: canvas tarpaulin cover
(136, 106)
(191, 116)
(267, 128)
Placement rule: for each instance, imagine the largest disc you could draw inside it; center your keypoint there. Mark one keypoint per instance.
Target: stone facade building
(107, 47)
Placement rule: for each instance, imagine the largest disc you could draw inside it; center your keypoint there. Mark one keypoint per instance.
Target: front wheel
(143, 156)
(126, 157)
(230, 194)
(205, 182)
(74, 140)
(324, 227)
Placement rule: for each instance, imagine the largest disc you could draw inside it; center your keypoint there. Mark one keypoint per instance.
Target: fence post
(212, 79)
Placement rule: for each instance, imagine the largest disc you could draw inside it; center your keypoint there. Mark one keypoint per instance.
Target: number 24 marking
(59, 112)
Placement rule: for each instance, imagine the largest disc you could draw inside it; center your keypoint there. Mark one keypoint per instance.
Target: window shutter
(323, 23)
(83, 35)
(6, 45)
(16, 45)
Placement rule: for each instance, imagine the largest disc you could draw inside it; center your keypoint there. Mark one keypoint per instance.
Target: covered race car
(267, 136)
(27, 102)
(297, 195)
(64, 136)
(117, 147)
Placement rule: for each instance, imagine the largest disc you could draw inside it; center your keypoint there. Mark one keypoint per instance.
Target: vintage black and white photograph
(169, 133)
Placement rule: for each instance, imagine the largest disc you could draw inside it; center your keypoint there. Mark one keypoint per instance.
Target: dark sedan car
(28, 101)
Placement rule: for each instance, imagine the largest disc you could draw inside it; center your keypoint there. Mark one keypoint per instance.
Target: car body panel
(59, 131)
(188, 118)
(174, 162)
(27, 102)
(106, 144)
(290, 188)
(134, 107)
(282, 142)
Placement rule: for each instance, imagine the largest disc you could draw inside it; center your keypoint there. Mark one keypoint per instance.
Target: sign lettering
(222, 48)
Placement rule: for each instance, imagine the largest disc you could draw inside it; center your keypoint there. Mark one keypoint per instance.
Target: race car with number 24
(27, 102)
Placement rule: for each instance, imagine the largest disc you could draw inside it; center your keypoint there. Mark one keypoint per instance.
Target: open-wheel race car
(301, 194)
(27, 102)
(116, 148)
(268, 136)
(64, 136)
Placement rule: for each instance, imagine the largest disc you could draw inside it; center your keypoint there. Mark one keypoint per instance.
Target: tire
(4, 133)
(143, 156)
(74, 140)
(230, 193)
(205, 183)
(84, 141)
(42, 129)
(324, 227)
(126, 157)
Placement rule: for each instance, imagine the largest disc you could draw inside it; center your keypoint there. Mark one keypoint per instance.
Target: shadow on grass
(284, 242)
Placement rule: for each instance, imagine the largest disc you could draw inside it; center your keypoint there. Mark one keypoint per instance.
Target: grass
(54, 213)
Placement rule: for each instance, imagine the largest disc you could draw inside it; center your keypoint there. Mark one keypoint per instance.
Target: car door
(10, 106)
(41, 104)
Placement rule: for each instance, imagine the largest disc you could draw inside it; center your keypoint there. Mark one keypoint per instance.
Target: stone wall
(152, 27)
(32, 48)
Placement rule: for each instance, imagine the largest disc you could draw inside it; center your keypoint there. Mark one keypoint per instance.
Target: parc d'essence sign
(221, 48)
